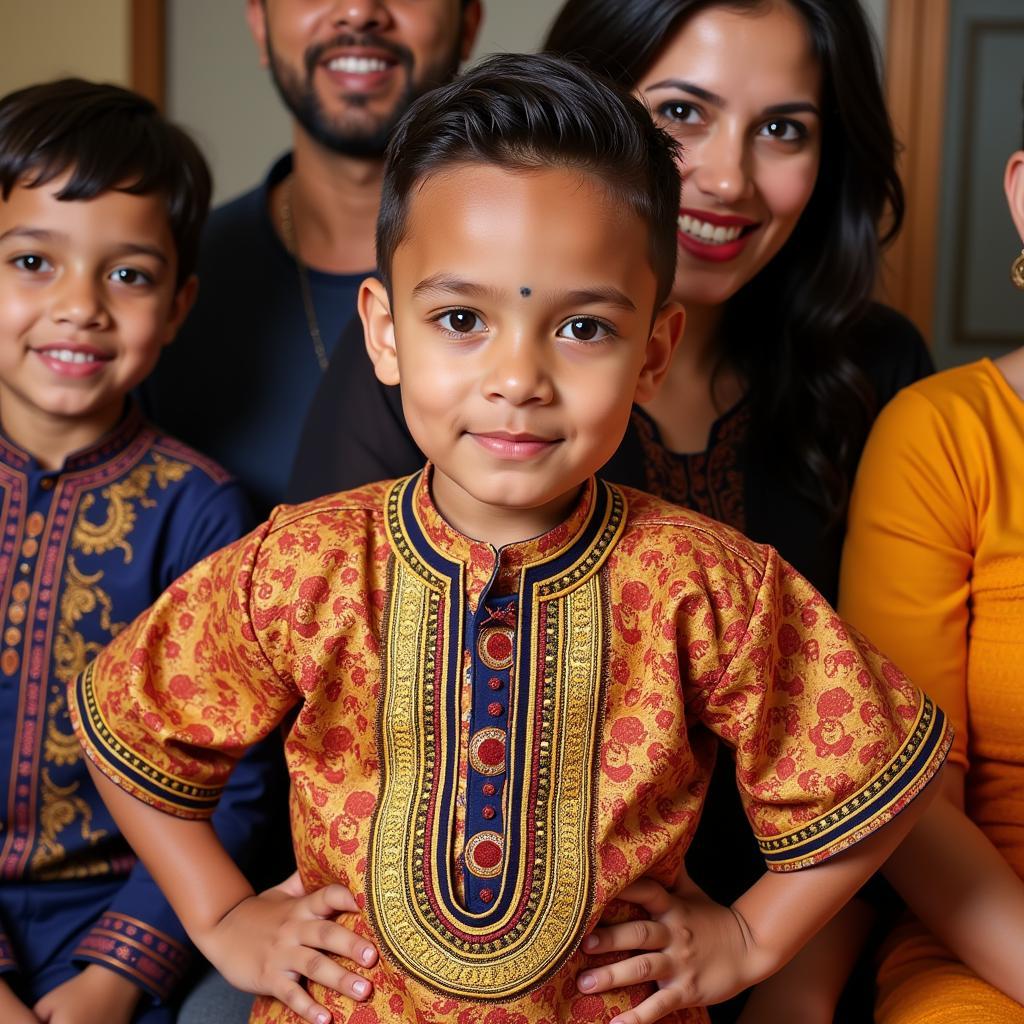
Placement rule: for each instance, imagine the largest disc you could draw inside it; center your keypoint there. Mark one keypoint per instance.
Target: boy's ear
(256, 16)
(378, 330)
(183, 301)
(666, 334)
(1013, 182)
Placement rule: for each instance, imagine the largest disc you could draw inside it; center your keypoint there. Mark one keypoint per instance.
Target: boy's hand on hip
(95, 996)
(270, 942)
(695, 950)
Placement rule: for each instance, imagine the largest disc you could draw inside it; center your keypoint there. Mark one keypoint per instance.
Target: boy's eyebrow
(447, 284)
(799, 107)
(46, 235)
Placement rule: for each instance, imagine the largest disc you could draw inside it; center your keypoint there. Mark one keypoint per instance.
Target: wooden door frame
(148, 57)
(916, 55)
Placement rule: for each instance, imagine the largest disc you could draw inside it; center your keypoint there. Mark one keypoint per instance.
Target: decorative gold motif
(496, 647)
(60, 807)
(478, 851)
(546, 882)
(484, 766)
(97, 539)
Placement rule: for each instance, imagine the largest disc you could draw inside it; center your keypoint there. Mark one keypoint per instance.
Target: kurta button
(20, 591)
(488, 812)
(29, 548)
(487, 895)
(488, 789)
(494, 683)
(24, 568)
(494, 709)
(16, 613)
(9, 662)
(34, 524)
(46, 483)
(12, 635)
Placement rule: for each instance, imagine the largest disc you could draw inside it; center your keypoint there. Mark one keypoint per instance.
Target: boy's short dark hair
(110, 139)
(524, 112)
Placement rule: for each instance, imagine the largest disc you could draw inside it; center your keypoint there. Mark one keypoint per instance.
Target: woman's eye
(461, 321)
(32, 264)
(784, 131)
(584, 328)
(130, 276)
(679, 112)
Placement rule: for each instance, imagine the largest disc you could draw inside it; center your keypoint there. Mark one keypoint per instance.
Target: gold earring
(1017, 271)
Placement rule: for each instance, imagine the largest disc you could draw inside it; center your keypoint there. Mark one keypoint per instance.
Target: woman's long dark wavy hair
(805, 387)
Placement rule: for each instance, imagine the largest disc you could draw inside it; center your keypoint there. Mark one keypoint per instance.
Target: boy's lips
(713, 237)
(513, 446)
(72, 360)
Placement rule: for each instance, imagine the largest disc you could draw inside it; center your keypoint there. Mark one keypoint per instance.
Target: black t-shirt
(238, 380)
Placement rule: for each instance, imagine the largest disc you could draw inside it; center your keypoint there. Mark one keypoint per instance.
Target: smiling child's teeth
(66, 355)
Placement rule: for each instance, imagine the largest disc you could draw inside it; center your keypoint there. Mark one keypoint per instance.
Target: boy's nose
(518, 373)
(79, 302)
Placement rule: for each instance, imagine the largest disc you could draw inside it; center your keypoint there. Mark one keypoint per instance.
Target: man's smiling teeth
(66, 355)
(705, 232)
(358, 65)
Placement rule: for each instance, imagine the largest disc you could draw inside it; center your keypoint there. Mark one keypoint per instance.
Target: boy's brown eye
(584, 328)
(460, 321)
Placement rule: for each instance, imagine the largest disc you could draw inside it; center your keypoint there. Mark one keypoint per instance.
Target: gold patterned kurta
(490, 745)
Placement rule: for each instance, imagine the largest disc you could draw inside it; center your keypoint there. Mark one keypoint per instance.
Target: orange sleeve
(170, 706)
(909, 552)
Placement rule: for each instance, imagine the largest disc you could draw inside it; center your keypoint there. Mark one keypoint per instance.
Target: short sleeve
(171, 705)
(907, 561)
(223, 517)
(831, 741)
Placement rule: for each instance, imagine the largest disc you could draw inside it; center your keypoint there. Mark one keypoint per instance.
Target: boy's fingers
(632, 935)
(652, 1009)
(299, 1001)
(651, 895)
(636, 970)
(320, 968)
(329, 900)
(335, 938)
(292, 886)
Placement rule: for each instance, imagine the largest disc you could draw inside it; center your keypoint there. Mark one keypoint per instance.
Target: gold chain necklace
(291, 242)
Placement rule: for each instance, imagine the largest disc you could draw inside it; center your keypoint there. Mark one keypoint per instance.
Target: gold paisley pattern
(97, 539)
(61, 808)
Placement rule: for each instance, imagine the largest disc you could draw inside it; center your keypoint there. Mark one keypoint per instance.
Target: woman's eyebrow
(677, 83)
(798, 107)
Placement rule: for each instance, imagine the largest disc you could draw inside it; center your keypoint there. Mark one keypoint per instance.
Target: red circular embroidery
(495, 647)
(487, 751)
(494, 683)
(487, 895)
(484, 853)
(494, 709)
(488, 812)
(488, 788)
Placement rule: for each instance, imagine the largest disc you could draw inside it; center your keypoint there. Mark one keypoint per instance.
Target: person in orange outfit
(509, 677)
(933, 572)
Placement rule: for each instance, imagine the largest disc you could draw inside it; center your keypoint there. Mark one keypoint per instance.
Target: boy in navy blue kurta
(101, 203)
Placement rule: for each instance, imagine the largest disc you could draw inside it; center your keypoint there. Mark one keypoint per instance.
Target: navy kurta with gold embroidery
(83, 551)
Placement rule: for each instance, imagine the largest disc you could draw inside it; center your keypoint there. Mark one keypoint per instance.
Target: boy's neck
(50, 439)
(498, 526)
(334, 201)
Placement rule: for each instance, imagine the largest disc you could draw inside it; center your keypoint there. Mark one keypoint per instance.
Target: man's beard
(365, 136)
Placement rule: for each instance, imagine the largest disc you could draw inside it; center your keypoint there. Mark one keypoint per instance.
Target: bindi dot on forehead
(525, 292)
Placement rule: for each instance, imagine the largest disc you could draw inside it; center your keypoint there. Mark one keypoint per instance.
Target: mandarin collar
(107, 447)
(435, 542)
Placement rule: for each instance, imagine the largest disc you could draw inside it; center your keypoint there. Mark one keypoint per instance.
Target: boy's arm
(258, 943)
(700, 952)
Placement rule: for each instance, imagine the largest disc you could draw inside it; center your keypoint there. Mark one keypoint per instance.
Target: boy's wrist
(117, 990)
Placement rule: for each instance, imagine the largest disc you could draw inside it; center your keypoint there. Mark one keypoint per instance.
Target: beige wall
(42, 39)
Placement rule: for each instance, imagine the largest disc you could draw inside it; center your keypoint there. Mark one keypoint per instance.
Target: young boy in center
(509, 675)
(101, 205)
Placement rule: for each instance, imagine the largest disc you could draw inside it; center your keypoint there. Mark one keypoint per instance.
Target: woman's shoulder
(974, 393)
